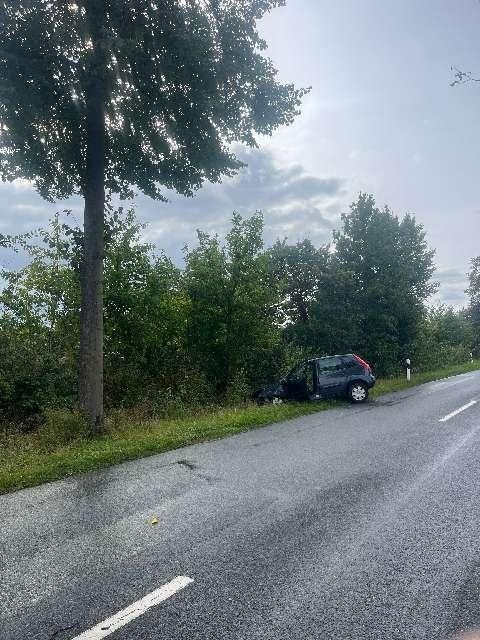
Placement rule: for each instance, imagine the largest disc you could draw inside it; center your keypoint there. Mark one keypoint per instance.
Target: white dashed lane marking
(457, 411)
(123, 617)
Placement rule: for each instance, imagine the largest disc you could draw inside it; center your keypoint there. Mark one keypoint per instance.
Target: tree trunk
(90, 387)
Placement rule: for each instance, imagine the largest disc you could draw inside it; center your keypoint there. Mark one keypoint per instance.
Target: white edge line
(123, 617)
(457, 411)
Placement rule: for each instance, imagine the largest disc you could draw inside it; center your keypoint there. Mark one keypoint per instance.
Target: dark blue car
(332, 376)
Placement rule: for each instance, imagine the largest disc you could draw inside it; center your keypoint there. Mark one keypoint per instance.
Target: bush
(61, 428)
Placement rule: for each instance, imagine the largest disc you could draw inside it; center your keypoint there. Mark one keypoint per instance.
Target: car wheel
(358, 392)
(277, 400)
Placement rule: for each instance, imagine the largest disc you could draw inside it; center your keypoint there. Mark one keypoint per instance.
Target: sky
(381, 118)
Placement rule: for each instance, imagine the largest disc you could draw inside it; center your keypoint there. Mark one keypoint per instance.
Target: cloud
(22, 209)
(262, 181)
(295, 204)
(451, 275)
(453, 282)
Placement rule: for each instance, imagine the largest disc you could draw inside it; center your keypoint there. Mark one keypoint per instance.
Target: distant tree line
(235, 316)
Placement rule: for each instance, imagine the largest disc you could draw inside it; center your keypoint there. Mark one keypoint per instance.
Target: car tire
(357, 392)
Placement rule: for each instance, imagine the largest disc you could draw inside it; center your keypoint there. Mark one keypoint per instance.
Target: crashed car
(332, 376)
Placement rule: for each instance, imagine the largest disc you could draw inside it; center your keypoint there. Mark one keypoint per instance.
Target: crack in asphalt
(188, 464)
(62, 630)
(193, 467)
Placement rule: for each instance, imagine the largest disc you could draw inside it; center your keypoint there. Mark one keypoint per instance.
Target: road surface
(360, 522)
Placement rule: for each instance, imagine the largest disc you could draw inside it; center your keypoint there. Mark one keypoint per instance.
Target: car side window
(329, 365)
(351, 365)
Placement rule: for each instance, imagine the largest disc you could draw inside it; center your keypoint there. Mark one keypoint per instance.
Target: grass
(386, 385)
(62, 447)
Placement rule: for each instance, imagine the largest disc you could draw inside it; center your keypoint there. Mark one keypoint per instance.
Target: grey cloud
(263, 185)
(22, 209)
(452, 296)
(453, 282)
(452, 275)
(295, 205)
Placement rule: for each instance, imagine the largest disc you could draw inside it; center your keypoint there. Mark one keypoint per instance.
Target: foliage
(231, 329)
(104, 96)
(365, 293)
(39, 326)
(145, 311)
(474, 308)
(299, 269)
(144, 318)
(444, 338)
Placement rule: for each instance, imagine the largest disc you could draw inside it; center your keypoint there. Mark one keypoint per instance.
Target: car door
(331, 376)
(301, 381)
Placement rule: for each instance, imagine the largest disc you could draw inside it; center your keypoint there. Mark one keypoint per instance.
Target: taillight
(362, 362)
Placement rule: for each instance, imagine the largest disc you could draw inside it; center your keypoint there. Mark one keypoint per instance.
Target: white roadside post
(407, 362)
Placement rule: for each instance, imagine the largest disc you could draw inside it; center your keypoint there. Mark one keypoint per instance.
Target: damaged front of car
(270, 394)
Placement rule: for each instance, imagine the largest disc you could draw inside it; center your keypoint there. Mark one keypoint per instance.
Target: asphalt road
(360, 522)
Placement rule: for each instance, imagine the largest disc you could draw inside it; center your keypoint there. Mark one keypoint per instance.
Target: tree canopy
(366, 291)
(390, 270)
(180, 81)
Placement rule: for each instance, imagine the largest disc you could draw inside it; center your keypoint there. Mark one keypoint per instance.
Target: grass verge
(386, 385)
(61, 448)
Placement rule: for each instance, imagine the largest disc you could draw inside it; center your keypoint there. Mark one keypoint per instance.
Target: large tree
(232, 333)
(389, 268)
(104, 96)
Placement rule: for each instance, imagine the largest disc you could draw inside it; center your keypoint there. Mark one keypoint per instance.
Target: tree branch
(462, 77)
